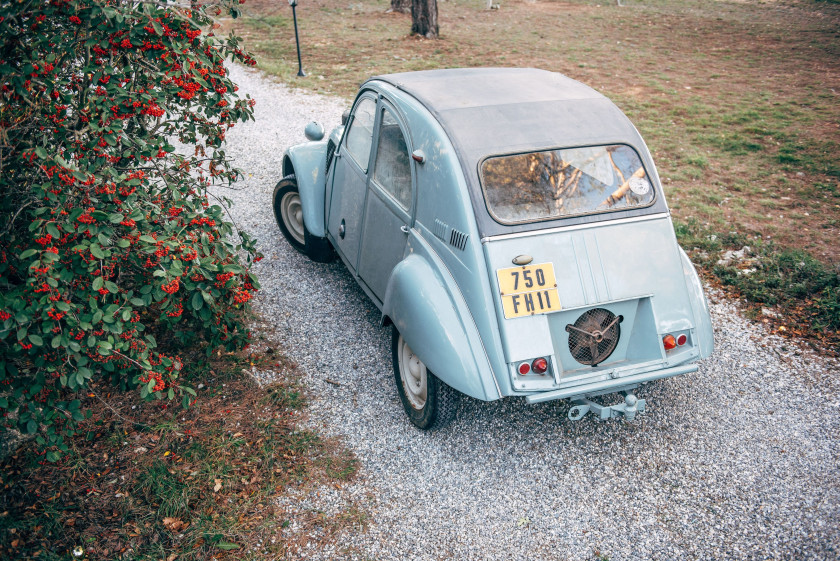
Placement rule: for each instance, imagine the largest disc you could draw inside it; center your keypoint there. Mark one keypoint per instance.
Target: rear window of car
(567, 182)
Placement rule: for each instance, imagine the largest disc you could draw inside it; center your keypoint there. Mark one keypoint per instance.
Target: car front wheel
(288, 211)
(428, 402)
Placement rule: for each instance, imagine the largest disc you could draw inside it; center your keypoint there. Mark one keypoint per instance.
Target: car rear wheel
(428, 402)
(288, 211)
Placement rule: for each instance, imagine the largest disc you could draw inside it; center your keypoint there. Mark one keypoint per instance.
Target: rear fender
(700, 306)
(308, 162)
(430, 313)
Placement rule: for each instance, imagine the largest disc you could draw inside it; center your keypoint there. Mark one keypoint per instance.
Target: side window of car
(360, 136)
(392, 170)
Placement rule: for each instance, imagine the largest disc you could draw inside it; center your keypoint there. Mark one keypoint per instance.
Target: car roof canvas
(492, 111)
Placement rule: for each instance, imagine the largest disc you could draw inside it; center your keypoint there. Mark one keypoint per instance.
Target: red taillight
(669, 342)
(524, 368)
(540, 365)
(681, 340)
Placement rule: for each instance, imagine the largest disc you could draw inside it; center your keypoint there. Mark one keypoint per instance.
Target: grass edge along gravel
(789, 289)
(157, 482)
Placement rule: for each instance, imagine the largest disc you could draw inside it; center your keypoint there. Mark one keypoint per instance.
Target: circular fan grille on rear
(593, 337)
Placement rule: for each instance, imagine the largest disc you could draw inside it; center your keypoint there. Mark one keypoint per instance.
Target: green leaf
(126, 315)
(96, 251)
(225, 545)
(148, 239)
(36, 339)
(115, 218)
(31, 427)
(52, 230)
(112, 288)
(28, 253)
(41, 153)
(97, 283)
(197, 301)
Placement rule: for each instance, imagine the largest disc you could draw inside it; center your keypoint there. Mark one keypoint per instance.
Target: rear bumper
(604, 386)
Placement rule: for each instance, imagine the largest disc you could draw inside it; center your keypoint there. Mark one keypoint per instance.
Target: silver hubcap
(292, 212)
(413, 374)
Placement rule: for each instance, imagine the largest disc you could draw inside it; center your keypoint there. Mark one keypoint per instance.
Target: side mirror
(344, 117)
(314, 131)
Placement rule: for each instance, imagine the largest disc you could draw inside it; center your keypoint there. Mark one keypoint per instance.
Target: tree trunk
(424, 18)
(400, 6)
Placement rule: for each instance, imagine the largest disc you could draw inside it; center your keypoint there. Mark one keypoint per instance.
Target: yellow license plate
(528, 290)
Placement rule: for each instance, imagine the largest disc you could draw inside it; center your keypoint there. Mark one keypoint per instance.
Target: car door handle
(404, 229)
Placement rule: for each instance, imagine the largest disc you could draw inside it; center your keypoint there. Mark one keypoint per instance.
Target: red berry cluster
(172, 286)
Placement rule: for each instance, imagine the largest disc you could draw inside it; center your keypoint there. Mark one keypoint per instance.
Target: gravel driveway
(736, 461)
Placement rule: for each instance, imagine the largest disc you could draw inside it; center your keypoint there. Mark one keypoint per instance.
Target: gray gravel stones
(736, 461)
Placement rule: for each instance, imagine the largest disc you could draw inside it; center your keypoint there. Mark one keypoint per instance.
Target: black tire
(286, 197)
(438, 408)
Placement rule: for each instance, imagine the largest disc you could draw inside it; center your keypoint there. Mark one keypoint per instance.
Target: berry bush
(113, 248)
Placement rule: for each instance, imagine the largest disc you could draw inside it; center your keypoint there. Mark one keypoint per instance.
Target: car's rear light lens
(681, 339)
(524, 368)
(540, 365)
(669, 342)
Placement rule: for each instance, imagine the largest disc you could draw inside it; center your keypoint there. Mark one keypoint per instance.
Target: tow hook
(632, 405)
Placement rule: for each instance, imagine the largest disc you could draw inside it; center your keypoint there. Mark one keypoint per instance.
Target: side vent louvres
(330, 153)
(446, 234)
(458, 239)
(441, 229)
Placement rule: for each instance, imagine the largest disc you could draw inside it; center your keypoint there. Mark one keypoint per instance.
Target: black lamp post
(293, 4)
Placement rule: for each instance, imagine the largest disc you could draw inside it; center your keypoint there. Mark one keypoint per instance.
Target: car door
(389, 204)
(347, 200)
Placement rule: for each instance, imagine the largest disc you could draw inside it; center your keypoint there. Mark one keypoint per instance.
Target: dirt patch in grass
(153, 481)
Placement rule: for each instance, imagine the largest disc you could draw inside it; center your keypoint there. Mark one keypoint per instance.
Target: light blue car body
(431, 270)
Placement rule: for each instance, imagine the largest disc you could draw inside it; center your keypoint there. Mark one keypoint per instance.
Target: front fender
(431, 318)
(700, 306)
(308, 162)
